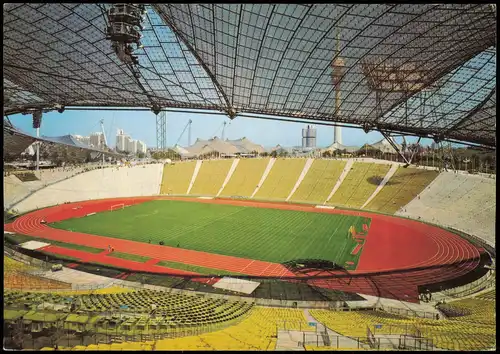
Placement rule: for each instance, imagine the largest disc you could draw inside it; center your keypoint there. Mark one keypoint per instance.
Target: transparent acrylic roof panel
(450, 103)
(57, 53)
(256, 58)
(276, 58)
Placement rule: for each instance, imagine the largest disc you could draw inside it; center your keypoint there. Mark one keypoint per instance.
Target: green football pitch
(257, 233)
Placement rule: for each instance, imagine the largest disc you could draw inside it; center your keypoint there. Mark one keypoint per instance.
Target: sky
(141, 125)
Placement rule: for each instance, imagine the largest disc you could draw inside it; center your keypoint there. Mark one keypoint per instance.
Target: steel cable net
(64, 148)
(278, 59)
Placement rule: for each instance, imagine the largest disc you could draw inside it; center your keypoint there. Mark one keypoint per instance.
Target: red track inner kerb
(412, 253)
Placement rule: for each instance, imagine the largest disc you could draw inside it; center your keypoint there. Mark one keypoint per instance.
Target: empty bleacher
(18, 185)
(359, 184)
(462, 201)
(245, 178)
(176, 177)
(255, 330)
(402, 187)
(210, 177)
(98, 184)
(475, 331)
(488, 295)
(281, 179)
(319, 181)
(17, 275)
(173, 309)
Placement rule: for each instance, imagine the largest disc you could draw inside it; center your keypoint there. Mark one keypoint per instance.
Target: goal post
(117, 207)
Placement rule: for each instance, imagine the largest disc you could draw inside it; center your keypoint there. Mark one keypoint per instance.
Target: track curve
(398, 254)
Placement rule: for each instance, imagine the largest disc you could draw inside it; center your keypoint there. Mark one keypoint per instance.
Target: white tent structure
(384, 146)
(340, 147)
(246, 146)
(215, 145)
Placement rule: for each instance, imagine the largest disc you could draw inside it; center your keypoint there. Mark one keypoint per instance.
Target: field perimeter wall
(98, 184)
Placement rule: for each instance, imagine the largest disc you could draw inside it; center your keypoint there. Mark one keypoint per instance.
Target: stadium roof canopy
(65, 147)
(422, 69)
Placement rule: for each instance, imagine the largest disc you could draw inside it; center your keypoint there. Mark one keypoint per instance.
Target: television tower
(338, 67)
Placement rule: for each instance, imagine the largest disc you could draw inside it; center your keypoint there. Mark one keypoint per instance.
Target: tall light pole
(105, 142)
(338, 67)
(37, 122)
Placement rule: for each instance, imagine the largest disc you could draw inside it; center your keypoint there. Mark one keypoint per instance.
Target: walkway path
(339, 341)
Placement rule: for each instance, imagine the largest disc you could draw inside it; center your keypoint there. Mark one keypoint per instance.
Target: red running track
(411, 253)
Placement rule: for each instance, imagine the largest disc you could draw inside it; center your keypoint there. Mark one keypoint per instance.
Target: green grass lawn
(193, 268)
(17, 238)
(130, 257)
(256, 233)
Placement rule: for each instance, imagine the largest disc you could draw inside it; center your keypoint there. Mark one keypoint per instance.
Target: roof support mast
(161, 130)
(37, 123)
(188, 126)
(388, 137)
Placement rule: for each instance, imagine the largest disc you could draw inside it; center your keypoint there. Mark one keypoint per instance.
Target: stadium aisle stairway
(281, 179)
(359, 184)
(319, 181)
(403, 186)
(210, 177)
(176, 177)
(245, 178)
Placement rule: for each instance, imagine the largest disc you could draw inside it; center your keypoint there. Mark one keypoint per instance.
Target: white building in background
(126, 144)
(309, 137)
(122, 141)
(132, 146)
(97, 140)
(141, 147)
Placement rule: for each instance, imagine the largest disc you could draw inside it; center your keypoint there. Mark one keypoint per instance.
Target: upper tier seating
(319, 181)
(245, 177)
(401, 188)
(211, 176)
(176, 177)
(98, 184)
(462, 201)
(359, 184)
(15, 189)
(281, 179)
(488, 295)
